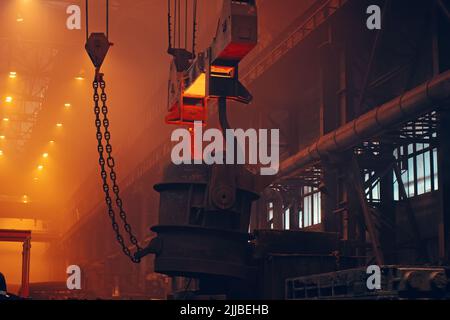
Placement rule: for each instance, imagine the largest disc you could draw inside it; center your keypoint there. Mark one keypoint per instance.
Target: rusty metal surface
(397, 282)
(199, 235)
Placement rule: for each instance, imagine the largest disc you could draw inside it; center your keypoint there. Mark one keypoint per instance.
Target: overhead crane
(190, 228)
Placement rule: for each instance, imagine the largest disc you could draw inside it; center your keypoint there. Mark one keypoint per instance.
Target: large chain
(109, 162)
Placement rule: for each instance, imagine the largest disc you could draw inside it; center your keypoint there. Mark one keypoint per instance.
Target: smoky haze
(47, 59)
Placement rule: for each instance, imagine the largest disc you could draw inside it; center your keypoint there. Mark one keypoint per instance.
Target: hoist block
(203, 221)
(214, 73)
(97, 47)
(187, 102)
(236, 36)
(237, 33)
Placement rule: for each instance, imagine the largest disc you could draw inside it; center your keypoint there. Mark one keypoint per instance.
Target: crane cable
(87, 19)
(106, 159)
(175, 34)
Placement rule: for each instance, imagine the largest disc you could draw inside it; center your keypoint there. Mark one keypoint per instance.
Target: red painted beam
(14, 235)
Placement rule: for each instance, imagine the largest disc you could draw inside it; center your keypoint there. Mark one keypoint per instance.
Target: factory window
(270, 215)
(372, 192)
(311, 214)
(300, 218)
(286, 219)
(418, 162)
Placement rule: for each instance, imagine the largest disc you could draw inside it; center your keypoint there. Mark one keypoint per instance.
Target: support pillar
(25, 292)
(444, 186)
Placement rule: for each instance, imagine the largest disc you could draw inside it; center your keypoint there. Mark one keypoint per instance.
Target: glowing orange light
(59, 125)
(45, 155)
(8, 99)
(1, 152)
(6, 119)
(40, 167)
(13, 74)
(67, 105)
(80, 75)
(24, 199)
(52, 141)
(222, 71)
(19, 19)
(2, 137)
(198, 87)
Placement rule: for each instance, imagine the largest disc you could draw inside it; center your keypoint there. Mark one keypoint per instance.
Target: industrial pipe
(406, 107)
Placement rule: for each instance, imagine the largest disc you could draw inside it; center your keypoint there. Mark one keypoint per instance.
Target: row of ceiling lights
(45, 155)
(9, 100)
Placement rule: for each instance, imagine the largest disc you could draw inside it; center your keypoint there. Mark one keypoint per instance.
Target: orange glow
(13, 74)
(8, 99)
(59, 125)
(222, 71)
(6, 119)
(11, 256)
(24, 199)
(67, 105)
(45, 155)
(80, 76)
(24, 223)
(40, 167)
(2, 137)
(198, 88)
(1, 152)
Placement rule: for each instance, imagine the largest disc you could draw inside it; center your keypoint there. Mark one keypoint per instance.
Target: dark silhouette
(4, 295)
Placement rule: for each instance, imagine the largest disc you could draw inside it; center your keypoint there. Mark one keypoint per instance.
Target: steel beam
(355, 177)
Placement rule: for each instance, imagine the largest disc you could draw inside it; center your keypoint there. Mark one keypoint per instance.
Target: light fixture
(19, 18)
(52, 141)
(198, 88)
(59, 125)
(2, 137)
(1, 152)
(67, 105)
(6, 119)
(8, 99)
(24, 199)
(45, 155)
(80, 76)
(40, 167)
(13, 74)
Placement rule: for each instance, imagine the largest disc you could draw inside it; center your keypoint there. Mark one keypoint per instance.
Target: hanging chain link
(109, 162)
